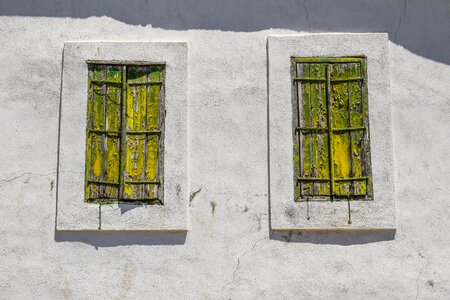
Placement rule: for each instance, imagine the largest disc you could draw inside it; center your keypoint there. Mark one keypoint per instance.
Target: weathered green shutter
(103, 132)
(331, 141)
(124, 138)
(312, 131)
(142, 139)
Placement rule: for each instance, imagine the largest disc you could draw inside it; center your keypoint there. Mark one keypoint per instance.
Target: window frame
(287, 214)
(73, 213)
(123, 132)
(299, 130)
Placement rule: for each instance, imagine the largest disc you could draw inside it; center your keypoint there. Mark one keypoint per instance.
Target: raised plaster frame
(286, 214)
(73, 213)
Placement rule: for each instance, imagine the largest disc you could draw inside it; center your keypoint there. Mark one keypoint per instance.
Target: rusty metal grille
(125, 133)
(331, 129)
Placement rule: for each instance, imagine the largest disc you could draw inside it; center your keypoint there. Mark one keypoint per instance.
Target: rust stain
(129, 274)
(68, 292)
(193, 194)
(213, 207)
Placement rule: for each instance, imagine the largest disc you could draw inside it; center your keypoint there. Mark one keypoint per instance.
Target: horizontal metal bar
(103, 182)
(312, 179)
(128, 132)
(349, 196)
(352, 59)
(144, 82)
(311, 129)
(149, 201)
(351, 179)
(347, 79)
(348, 129)
(144, 132)
(104, 131)
(337, 197)
(135, 199)
(124, 62)
(332, 80)
(335, 180)
(105, 81)
(143, 182)
(310, 79)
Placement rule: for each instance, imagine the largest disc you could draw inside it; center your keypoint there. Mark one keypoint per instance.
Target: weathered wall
(229, 251)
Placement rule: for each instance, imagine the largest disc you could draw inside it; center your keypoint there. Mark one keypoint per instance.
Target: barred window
(125, 133)
(331, 129)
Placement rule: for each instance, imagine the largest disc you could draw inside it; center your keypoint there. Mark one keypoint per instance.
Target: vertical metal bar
(311, 141)
(349, 211)
(161, 120)
(366, 158)
(103, 135)
(100, 214)
(297, 132)
(308, 217)
(87, 167)
(330, 131)
(122, 130)
(145, 187)
(350, 145)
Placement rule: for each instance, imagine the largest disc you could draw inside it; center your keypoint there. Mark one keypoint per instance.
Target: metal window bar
(304, 79)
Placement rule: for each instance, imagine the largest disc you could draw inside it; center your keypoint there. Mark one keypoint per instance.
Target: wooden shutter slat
(113, 104)
(142, 148)
(134, 150)
(314, 137)
(306, 139)
(339, 100)
(152, 152)
(102, 161)
(356, 137)
(319, 138)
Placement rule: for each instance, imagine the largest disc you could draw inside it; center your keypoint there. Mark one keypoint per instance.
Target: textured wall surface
(229, 251)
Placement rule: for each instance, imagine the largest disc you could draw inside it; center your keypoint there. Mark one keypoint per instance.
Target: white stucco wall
(229, 250)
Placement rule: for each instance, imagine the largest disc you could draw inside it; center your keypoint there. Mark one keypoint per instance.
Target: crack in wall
(240, 257)
(417, 283)
(58, 4)
(400, 20)
(307, 15)
(24, 174)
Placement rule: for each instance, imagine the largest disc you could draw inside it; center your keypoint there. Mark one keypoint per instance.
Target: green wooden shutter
(103, 132)
(312, 131)
(349, 123)
(331, 140)
(142, 135)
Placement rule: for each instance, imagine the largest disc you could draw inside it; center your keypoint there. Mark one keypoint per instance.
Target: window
(123, 137)
(323, 92)
(331, 129)
(125, 125)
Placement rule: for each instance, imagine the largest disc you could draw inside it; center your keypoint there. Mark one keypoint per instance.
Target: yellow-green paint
(332, 145)
(314, 153)
(307, 187)
(122, 137)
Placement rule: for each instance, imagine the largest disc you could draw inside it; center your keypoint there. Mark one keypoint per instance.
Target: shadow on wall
(419, 26)
(121, 238)
(334, 238)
